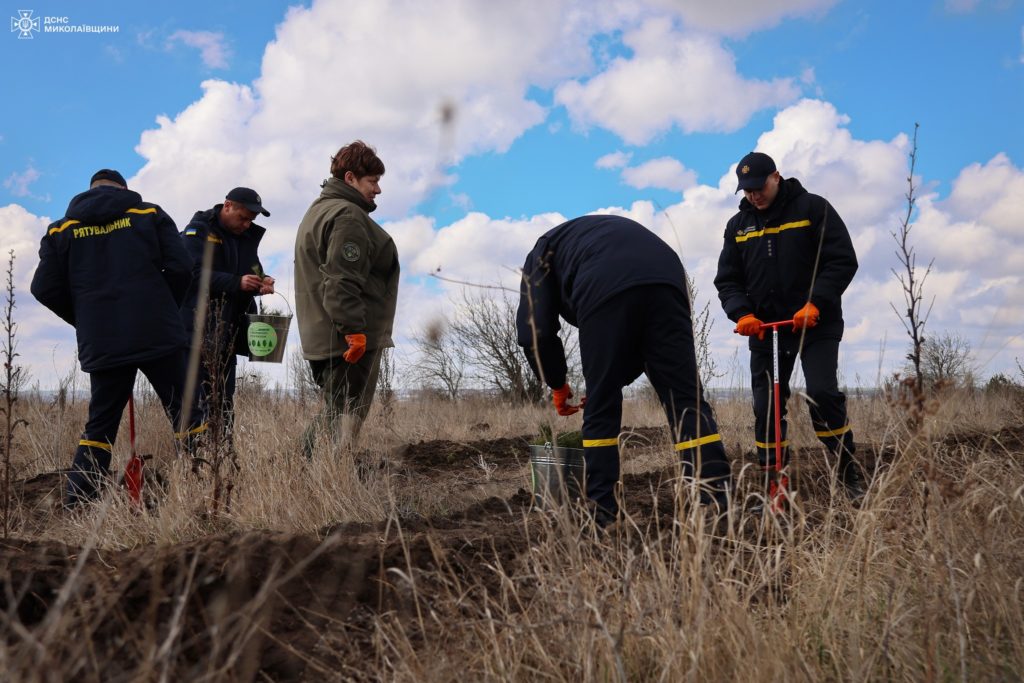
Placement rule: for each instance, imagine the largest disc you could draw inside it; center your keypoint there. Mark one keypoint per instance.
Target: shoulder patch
(350, 251)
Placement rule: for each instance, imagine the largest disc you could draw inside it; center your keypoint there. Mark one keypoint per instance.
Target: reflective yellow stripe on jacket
(772, 231)
(64, 225)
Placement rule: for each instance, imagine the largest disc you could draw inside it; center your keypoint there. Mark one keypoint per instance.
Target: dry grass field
(419, 558)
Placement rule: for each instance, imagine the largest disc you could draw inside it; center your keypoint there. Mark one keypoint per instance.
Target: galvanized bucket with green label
(266, 336)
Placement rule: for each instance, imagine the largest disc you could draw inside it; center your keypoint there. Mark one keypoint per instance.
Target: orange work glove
(356, 347)
(560, 397)
(806, 317)
(749, 325)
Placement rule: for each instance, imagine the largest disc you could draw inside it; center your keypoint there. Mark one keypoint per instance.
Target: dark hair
(357, 157)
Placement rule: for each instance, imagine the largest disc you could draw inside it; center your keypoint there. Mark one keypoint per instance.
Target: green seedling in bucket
(556, 467)
(258, 272)
(572, 439)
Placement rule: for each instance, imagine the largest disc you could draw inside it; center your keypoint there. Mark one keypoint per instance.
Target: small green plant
(572, 439)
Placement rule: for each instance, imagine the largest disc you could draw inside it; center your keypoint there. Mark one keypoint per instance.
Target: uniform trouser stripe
(694, 443)
(771, 444)
(824, 434)
(598, 443)
(96, 444)
(195, 430)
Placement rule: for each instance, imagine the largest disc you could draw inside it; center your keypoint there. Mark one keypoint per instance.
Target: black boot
(89, 470)
(851, 478)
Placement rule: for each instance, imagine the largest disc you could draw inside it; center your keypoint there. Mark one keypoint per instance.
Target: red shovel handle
(133, 476)
(780, 323)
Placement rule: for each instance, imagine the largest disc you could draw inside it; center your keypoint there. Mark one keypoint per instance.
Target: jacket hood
(101, 204)
(789, 189)
(334, 188)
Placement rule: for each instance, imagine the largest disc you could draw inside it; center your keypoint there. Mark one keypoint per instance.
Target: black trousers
(819, 358)
(646, 329)
(348, 390)
(110, 390)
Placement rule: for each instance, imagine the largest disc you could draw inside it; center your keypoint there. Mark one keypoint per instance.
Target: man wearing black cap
(237, 277)
(114, 268)
(788, 255)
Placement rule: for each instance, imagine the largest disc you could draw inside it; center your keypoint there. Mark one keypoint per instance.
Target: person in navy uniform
(625, 289)
(236, 279)
(788, 255)
(114, 268)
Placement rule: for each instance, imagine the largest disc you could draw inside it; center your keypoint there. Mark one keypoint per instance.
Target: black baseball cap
(753, 171)
(108, 174)
(249, 199)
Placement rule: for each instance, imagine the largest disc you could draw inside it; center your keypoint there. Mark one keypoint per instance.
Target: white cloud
(617, 159)
(211, 45)
(992, 193)
(22, 231)
(738, 17)
(665, 173)
(393, 78)
(672, 79)
(18, 183)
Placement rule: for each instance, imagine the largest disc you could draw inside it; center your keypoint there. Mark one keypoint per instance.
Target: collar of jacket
(789, 188)
(335, 188)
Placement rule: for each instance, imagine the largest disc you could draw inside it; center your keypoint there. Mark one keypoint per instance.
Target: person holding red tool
(788, 255)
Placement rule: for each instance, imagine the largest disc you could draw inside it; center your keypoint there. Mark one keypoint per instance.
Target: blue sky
(192, 99)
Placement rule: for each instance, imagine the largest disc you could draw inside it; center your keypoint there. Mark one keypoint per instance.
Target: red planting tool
(779, 482)
(133, 477)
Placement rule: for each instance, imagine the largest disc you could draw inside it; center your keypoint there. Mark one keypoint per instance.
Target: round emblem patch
(350, 250)
(262, 339)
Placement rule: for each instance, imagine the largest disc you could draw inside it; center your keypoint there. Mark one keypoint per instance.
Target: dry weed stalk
(13, 379)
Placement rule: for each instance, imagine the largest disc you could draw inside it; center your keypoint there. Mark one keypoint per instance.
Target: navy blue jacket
(233, 257)
(573, 269)
(773, 262)
(114, 268)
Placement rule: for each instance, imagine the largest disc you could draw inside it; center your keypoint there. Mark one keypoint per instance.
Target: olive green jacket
(346, 274)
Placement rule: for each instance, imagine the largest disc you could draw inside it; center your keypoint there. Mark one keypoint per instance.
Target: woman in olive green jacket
(346, 291)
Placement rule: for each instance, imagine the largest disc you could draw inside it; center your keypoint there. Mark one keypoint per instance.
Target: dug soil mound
(284, 606)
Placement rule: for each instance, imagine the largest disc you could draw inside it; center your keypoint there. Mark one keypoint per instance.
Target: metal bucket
(267, 336)
(557, 475)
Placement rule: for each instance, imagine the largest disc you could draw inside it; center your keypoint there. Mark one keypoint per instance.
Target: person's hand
(267, 286)
(356, 347)
(749, 326)
(560, 397)
(806, 317)
(251, 283)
